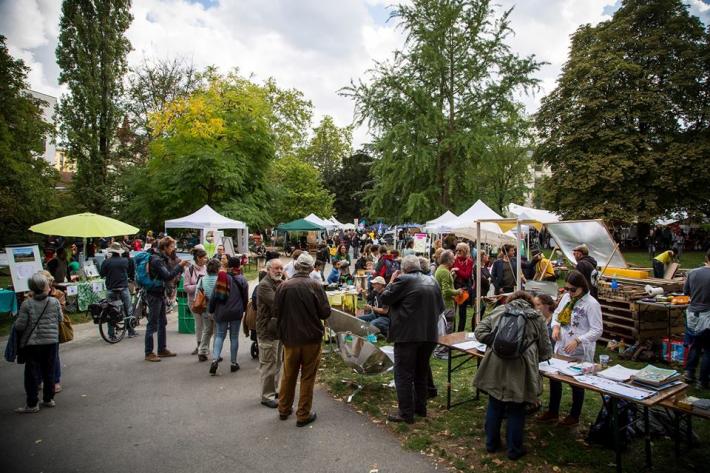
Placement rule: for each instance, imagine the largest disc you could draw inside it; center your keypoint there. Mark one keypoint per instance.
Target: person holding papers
(576, 327)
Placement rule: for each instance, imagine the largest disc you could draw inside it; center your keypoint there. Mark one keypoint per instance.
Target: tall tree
(150, 86)
(213, 147)
(296, 190)
(327, 149)
(626, 132)
(433, 107)
(351, 183)
(92, 53)
(27, 181)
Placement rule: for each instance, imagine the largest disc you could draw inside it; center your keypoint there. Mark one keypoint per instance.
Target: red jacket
(465, 269)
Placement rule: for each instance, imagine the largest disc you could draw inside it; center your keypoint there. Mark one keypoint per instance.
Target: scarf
(565, 316)
(221, 287)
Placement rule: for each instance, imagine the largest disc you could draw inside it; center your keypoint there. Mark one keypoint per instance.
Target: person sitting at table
(375, 311)
(317, 273)
(576, 327)
(662, 261)
(344, 276)
(511, 383)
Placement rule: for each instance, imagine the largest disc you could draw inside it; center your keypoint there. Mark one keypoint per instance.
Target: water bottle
(614, 285)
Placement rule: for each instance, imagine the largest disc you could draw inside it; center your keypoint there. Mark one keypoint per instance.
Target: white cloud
(317, 46)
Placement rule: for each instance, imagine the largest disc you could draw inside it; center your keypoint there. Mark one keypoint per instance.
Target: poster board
(24, 261)
(90, 270)
(420, 243)
(228, 246)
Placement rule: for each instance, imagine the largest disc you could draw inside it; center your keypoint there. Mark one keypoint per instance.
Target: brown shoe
(152, 357)
(166, 354)
(548, 416)
(568, 421)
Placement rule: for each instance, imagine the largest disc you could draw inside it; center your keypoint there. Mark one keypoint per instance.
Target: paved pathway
(118, 413)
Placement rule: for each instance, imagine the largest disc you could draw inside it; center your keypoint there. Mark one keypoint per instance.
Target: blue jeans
(699, 352)
(221, 334)
(382, 323)
(514, 428)
(556, 398)
(157, 320)
(124, 295)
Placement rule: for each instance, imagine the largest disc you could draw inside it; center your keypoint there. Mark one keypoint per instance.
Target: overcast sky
(316, 46)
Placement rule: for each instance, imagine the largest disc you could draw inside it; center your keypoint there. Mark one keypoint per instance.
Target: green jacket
(446, 283)
(516, 380)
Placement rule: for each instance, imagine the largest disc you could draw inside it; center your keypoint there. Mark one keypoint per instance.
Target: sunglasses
(570, 288)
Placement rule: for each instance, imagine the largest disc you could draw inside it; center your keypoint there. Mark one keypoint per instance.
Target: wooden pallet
(625, 320)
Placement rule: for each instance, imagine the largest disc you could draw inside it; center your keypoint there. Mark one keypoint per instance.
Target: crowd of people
(411, 299)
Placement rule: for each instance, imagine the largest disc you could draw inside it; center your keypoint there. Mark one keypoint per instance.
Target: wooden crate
(627, 320)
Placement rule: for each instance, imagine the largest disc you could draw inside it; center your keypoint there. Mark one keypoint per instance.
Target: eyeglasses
(570, 288)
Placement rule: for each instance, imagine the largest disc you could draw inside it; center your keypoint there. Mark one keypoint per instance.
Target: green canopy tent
(300, 225)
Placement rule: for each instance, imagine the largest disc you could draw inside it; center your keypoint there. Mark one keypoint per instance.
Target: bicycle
(109, 316)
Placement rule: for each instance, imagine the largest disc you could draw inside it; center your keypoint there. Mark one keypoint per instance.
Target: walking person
(576, 327)
(415, 302)
(227, 304)
(270, 349)
(206, 284)
(301, 306)
(37, 325)
(509, 371)
(191, 276)
(157, 298)
(117, 270)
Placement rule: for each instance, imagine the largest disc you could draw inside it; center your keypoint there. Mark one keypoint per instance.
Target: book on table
(654, 376)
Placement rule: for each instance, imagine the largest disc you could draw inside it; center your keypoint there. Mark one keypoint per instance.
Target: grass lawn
(458, 437)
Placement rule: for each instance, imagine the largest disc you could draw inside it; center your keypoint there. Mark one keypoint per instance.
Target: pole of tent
(518, 256)
(478, 272)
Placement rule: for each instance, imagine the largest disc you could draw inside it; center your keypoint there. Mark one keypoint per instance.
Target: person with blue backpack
(152, 274)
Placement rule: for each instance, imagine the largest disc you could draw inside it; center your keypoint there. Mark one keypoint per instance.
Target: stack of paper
(654, 376)
(554, 365)
(471, 344)
(618, 373)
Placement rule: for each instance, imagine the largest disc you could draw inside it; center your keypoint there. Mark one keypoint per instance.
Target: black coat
(415, 303)
(233, 308)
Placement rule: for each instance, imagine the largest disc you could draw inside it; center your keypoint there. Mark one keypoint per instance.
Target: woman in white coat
(576, 327)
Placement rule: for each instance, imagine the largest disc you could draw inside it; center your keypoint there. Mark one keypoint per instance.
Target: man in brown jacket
(300, 306)
(266, 334)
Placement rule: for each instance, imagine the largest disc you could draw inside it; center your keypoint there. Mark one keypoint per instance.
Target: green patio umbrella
(85, 225)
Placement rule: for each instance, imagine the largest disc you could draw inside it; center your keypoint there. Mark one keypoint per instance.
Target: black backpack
(509, 337)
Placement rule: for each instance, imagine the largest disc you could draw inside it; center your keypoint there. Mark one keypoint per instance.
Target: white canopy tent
(529, 213)
(490, 232)
(313, 218)
(335, 222)
(207, 219)
(442, 223)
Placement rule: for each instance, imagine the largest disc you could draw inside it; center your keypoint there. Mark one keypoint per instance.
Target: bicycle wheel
(119, 330)
(140, 310)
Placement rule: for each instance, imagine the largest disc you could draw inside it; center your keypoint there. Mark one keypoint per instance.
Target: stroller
(249, 327)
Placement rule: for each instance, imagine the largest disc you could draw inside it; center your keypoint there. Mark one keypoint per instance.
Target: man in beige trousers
(270, 349)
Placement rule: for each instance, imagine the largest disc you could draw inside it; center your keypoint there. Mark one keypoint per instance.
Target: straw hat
(379, 280)
(116, 248)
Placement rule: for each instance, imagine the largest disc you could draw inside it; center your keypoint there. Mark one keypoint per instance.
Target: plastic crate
(186, 323)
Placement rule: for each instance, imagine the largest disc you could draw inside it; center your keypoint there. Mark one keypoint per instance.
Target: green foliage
(626, 132)
(350, 184)
(212, 147)
(27, 181)
(327, 149)
(437, 106)
(291, 118)
(297, 190)
(92, 57)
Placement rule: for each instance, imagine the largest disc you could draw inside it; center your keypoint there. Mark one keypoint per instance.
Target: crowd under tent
(206, 219)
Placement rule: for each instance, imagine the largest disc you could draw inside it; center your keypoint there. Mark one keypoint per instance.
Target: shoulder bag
(66, 331)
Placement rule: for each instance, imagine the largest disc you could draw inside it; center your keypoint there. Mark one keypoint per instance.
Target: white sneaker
(27, 410)
(49, 404)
